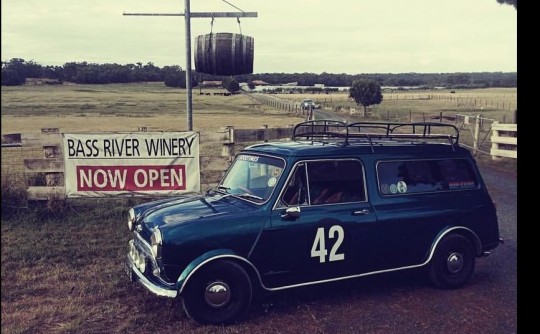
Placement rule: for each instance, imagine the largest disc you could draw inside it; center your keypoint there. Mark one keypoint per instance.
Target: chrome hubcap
(217, 294)
(454, 262)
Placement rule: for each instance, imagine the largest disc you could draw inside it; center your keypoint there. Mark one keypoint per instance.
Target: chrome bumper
(135, 275)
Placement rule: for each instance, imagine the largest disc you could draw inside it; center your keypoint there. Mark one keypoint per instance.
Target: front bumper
(135, 274)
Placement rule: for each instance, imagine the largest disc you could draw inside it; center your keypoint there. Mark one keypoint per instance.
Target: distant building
(208, 83)
(259, 83)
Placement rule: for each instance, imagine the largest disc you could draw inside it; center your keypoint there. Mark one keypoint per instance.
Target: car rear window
(421, 176)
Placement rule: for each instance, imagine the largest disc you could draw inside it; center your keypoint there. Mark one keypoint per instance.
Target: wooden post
(495, 145)
(265, 132)
(51, 152)
(228, 142)
(476, 133)
(51, 166)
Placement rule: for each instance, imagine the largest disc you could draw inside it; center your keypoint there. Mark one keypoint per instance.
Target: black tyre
(219, 294)
(453, 262)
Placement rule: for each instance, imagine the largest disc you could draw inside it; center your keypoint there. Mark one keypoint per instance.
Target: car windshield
(252, 177)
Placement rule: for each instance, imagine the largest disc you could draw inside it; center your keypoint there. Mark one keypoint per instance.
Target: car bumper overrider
(152, 284)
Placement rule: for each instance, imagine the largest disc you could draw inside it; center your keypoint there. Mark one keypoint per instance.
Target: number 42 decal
(319, 244)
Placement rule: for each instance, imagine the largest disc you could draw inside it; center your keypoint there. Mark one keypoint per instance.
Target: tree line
(16, 71)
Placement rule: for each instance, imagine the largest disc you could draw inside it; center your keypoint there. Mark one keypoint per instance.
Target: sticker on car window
(272, 181)
(393, 188)
(248, 158)
(461, 184)
(385, 188)
(401, 187)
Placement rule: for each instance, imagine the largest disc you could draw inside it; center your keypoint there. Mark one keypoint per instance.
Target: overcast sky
(339, 36)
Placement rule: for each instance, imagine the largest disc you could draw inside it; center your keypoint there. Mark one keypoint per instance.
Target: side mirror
(291, 213)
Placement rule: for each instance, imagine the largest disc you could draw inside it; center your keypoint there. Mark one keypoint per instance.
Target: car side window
(335, 181)
(421, 176)
(325, 182)
(296, 190)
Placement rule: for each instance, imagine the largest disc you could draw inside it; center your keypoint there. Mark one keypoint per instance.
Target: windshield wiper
(225, 189)
(248, 195)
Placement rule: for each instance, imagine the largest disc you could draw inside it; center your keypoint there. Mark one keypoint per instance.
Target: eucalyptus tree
(366, 92)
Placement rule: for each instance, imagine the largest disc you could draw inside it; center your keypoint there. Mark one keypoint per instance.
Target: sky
(292, 36)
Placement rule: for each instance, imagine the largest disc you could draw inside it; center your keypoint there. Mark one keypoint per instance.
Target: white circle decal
(401, 187)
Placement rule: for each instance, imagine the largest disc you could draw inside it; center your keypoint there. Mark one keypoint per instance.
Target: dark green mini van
(338, 201)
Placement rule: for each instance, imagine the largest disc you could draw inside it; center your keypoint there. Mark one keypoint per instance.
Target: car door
(321, 236)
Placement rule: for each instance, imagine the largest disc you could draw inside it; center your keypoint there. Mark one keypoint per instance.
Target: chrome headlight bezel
(131, 219)
(156, 241)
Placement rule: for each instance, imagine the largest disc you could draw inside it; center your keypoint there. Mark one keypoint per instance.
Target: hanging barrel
(224, 54)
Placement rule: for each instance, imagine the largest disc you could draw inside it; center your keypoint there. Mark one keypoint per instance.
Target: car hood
(191, 208)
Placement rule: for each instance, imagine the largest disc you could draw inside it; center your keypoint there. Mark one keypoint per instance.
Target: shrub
(13, 195)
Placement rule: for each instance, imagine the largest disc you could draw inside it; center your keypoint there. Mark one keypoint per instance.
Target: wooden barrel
(224, 54)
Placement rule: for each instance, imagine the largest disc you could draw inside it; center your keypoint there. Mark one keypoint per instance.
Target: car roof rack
(375, 133)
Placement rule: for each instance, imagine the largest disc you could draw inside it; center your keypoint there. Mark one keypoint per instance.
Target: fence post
(51, 152)
(265, 133)
(51, 168)
(228, 142)
(476, 133)
(494, 145)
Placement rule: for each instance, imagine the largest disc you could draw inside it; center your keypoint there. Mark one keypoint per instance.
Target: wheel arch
(461, 230)
(212, 257)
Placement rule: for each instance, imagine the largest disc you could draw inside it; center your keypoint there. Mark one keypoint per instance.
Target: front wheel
(219, 294)
(453, 262)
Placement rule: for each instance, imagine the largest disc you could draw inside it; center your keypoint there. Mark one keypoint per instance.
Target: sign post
(188, 15)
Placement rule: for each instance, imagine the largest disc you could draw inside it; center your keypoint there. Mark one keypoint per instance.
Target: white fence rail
(504, 140)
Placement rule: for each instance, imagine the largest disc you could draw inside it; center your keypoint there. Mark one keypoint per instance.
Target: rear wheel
(453, 262)
(219, 294)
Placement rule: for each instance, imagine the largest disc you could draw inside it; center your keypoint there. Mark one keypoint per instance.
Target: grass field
(62, 271)
(496, 103)
(126, 107)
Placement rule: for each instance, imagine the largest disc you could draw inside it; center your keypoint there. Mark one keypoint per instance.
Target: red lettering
(131, 178)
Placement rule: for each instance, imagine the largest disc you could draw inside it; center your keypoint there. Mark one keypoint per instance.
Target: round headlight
(136, 259)
(156, 241)
(132, 250)
(142, 263)
(131, 219)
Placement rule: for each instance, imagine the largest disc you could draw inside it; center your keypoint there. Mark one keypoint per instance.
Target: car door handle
(360, 212)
